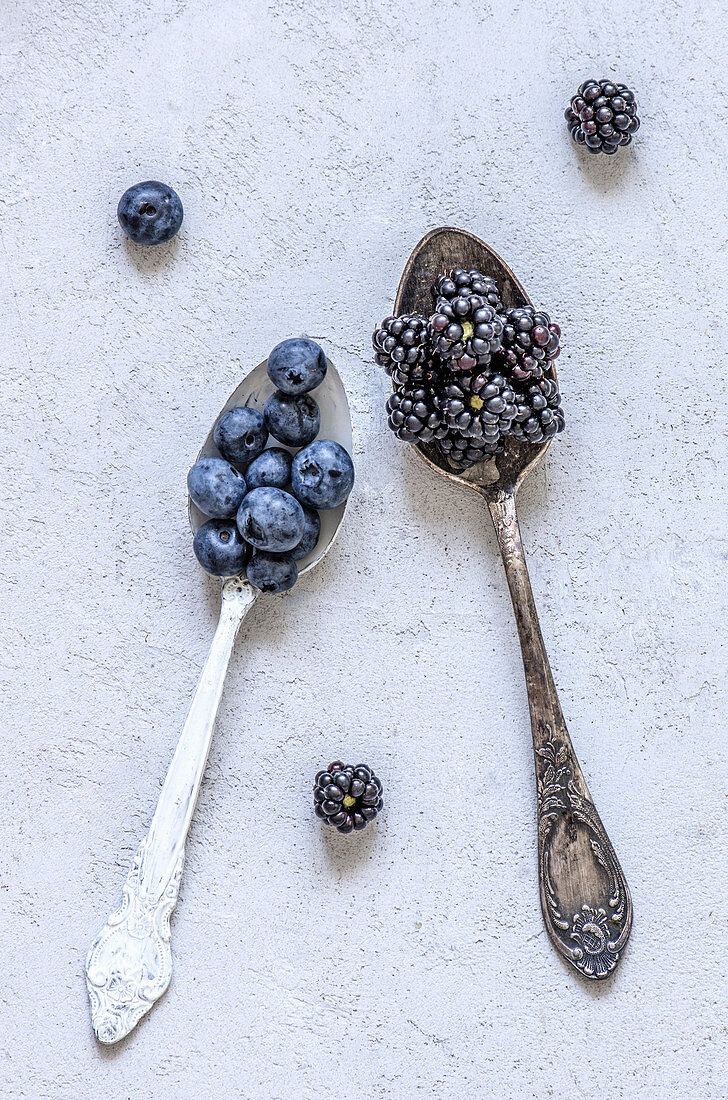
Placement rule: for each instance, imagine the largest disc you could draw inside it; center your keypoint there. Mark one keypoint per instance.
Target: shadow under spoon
(129, 965)
(585, 899)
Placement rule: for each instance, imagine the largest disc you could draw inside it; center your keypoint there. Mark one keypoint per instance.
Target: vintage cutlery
(129, 964)
(584, 896)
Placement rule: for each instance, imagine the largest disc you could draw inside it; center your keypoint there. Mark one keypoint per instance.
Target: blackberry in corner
(401, 342)
(602, 116)
(480, 407)
(466, 331)
(347, 796)
(539, 415)
(414, 414)
(459, 281)
(530, 341)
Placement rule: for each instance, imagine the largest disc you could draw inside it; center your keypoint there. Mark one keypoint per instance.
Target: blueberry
(240, 434)
(150, 212)
(272, 572)
(271, 520)
(297, 366)
(311, 532)
(291, 419)
(322, 474)
(220, 549)
(216, 487)
(273, 467)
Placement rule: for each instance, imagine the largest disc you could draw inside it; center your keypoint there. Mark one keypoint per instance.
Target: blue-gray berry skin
(310, 537)
(241, 435)
(272, 468)
(322, 474)
(294, 420)
(270, 519)
(220, 549)
(150, 212)
(216, 487)
(272, 572)
(297, 366)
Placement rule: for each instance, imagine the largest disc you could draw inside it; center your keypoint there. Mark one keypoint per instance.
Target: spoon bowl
(585, 899)
(438, 251)
(254, 391)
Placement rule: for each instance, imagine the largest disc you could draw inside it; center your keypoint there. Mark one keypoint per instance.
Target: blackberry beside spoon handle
(585, 899)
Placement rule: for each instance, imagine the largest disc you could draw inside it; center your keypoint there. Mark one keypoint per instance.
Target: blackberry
(602, 116)
(347, 796)
(466, 331)
(539, 415)
(400, 341)
(463, 452)
(460, 281)
(530, 340)
(414, 415)
(426, 373)
(480, 406)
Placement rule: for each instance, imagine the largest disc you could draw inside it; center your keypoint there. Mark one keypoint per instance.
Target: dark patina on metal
(585, 899)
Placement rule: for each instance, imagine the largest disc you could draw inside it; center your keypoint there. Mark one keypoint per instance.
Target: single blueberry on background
(297, 366)
(272, 572)
(294, 420)
(311, 532)
(150, 212)
(240, 434)
(271, 520)
(220, 549)
(273, 468)
(322, 474)
(216, 487)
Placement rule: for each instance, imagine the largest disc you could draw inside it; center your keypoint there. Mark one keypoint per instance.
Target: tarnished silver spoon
(584, 896)
(129, 965)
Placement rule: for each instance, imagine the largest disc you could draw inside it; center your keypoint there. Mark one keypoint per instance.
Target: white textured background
(312, 145)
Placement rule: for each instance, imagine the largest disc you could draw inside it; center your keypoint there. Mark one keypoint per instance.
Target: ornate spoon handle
(129, 964)
(584, 895)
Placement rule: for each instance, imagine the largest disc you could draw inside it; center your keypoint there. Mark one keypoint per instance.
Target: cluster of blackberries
(602, 116)
(473, 373)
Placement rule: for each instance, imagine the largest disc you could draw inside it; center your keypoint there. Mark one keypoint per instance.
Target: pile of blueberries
(264, 502)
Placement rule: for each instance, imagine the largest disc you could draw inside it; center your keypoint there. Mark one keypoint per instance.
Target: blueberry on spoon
(322, 474)
(270, 519)
(272, 573)
(293, 420)
(216, 487)
(273, 468)
(220, 549)
(240, 434)
(297, 366)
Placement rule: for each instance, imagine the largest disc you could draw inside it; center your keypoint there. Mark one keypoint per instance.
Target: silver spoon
(129, 965)
(584, 896)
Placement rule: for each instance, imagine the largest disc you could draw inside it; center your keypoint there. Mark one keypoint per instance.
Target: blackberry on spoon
(530, 341)
(401, 341)
(458, 281)
(539, 415)
(466, 331)
(414, 415)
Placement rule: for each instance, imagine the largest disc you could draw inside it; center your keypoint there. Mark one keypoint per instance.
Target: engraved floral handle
(129, 964)
(584, 896)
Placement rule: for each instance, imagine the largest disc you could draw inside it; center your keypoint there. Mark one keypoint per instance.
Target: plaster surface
(312, 146)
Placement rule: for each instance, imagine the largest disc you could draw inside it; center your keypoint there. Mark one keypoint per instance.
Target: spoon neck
(177, 800)
(546, 716)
